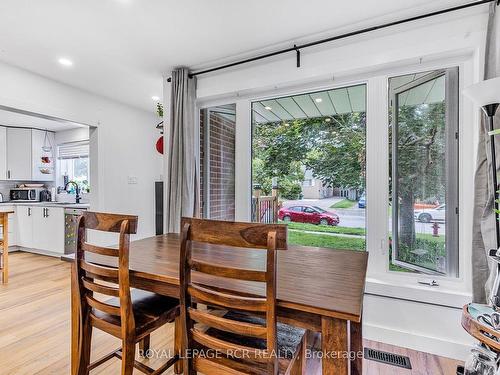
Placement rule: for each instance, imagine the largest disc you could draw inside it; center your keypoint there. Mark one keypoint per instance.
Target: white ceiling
(22, 120)
(120, 48)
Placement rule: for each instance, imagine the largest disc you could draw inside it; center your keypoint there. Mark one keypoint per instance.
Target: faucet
(77, 189)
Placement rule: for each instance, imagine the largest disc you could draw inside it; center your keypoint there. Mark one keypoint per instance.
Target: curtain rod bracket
(298, 53)
(169, 79)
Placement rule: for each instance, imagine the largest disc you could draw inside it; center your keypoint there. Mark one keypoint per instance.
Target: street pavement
(356, 217)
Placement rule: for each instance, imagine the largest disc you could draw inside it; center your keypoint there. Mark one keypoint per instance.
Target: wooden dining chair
(132, 315)
(245, 338)
(4, 246)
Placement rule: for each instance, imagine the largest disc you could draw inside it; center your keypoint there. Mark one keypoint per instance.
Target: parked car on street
(308, 214)
(362, 201)
(426, 215)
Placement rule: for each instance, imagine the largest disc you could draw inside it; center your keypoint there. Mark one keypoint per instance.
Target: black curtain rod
(297, 48)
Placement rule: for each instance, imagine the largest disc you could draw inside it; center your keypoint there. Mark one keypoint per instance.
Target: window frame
(454, 292)
(452, 176)
(59, 159)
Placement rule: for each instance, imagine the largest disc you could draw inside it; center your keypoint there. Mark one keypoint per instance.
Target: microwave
(25, 194)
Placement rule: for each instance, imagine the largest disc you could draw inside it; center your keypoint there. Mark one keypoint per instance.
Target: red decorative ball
(159, 145)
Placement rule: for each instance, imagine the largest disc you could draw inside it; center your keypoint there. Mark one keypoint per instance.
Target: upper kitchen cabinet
(3, 152)
(43, 155)
(23, 158)
(19, 166)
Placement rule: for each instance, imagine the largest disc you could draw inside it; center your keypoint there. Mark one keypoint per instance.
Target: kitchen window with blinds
(73, 164)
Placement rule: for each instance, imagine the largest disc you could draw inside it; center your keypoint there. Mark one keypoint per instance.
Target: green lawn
(326, 229)
(344, 203)
(319, 240)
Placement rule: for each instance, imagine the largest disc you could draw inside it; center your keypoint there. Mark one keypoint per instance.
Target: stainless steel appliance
(45, 196)
(25, 194)
(70, 222)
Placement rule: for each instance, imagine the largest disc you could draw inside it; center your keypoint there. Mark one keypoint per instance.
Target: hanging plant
(159, 126)
(159, 109)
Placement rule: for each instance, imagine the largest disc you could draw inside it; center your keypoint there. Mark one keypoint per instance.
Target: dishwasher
(70, 222)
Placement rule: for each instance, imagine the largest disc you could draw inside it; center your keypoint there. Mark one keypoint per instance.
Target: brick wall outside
(222, 165)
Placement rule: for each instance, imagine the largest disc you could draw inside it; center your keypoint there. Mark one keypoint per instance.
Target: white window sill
(410, 290)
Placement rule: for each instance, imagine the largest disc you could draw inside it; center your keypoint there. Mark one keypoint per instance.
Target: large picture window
(424, 172)
(309, 166)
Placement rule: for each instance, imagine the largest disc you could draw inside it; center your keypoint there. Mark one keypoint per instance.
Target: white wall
(396, 309)
(123, 146)
(72, 135)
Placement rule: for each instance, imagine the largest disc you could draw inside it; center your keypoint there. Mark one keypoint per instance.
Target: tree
(421, 160)
(337, 152)
(334, 150)
(277, 151)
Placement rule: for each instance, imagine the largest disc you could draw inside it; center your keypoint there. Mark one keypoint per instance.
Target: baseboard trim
(427, 344)
(39, 252)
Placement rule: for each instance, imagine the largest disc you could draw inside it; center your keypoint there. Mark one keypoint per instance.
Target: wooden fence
(265, 208)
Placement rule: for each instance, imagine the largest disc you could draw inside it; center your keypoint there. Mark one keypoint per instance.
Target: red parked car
(308, 214)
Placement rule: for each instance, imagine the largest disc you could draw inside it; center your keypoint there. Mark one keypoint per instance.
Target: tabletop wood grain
(323, 281)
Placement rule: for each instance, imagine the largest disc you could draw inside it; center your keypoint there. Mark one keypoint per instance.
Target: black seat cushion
(288, 337)
(150, 310)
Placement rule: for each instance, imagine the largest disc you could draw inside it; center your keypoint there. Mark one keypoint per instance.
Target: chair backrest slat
(230, 234)
(109, 222)
(229, 272)
(212, 297)
(226, 347)
(104, 307)
(236, 234)
(228, 325)
(90, 273)
(99, 288)
(98, 270)
(100, 250)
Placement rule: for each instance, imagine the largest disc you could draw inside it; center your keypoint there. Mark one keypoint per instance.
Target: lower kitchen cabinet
(41, 228)
(24, 226)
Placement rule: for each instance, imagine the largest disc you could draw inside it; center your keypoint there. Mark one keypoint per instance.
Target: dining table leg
(75, 323)
(356, 343)
(334, 346)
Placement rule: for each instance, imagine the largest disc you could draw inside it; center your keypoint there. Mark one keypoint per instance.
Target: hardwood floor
(35, 328)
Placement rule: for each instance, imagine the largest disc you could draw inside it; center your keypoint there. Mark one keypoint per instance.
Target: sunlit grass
(344, 203)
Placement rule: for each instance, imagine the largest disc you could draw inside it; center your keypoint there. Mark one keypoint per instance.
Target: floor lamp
(486, 94)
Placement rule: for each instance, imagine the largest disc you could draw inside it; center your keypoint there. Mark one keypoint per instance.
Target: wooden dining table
(319, 289)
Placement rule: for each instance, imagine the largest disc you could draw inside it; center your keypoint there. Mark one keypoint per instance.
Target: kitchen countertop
(47, 204)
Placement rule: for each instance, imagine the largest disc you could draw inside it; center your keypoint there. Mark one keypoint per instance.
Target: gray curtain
(483, 236)
(181, 187)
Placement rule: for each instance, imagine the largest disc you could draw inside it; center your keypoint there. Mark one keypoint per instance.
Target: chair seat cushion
(151, 310)
(289, 338)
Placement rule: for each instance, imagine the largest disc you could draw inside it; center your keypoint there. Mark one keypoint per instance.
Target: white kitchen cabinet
(3, 153)
(24, 216)
(37, 142)
(48, 229)
(19, 163)
(21, 154)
